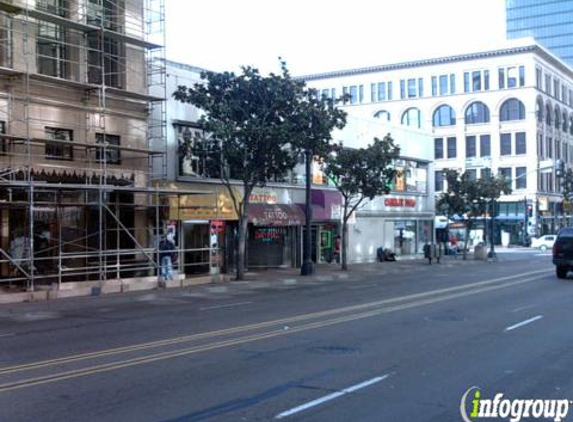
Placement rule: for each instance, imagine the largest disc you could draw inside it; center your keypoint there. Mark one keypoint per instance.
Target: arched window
(444, 116)
(539, 110)
(412, 117)
(477, 113)
(512, 109)
(557, 118)
(383, 114)
(565, 121)
(548, 114)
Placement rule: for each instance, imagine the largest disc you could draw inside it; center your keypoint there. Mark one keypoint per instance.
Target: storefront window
(405, 237)
(424, 234)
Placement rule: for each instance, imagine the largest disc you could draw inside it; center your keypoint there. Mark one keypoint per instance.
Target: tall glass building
(550, 22)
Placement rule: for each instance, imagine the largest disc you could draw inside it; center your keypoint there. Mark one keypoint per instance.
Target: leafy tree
(567, 191)
(360, 174)
(254, 128)
(467, 198)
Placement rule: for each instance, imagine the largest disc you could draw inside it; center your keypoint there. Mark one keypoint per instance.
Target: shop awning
(275, 215)
(326, 205)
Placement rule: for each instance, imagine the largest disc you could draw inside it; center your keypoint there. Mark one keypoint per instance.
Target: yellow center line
(10, 386)
(251, 327)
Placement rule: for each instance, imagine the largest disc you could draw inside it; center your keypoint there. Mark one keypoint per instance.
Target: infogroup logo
(510, 409)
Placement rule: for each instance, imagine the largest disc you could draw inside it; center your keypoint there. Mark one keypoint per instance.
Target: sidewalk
(253, 279)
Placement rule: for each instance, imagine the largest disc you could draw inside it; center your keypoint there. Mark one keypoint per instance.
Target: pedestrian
(337, 242)
(454, 246)
(166, 251)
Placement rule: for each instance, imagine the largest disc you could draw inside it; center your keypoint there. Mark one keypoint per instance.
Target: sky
(315, 36)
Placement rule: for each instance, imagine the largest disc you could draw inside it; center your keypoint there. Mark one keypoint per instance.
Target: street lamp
(307, 267)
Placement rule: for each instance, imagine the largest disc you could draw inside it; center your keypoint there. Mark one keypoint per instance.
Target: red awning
(275, 215)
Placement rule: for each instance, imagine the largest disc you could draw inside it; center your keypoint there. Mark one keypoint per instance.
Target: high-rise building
(550, 22)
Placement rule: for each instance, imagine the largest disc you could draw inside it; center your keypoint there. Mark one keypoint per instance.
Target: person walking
(166, 250)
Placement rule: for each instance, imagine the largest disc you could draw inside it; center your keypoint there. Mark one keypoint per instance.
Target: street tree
(467, 198)
(254, 128)
(360, 174)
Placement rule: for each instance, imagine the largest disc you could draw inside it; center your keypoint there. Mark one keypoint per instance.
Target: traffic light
(559, 168)
(530, 211)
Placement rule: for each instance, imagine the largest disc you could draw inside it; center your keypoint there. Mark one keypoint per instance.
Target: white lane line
(329, 397)
(7, 335)
(230, 305)
(521, 324)
(364, 286)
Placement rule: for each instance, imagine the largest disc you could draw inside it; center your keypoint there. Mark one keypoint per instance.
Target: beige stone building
(77, 149)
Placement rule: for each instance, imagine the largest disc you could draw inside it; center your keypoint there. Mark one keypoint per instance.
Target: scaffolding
(82, 140)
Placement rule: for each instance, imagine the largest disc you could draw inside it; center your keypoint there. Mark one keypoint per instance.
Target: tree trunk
(343, 245)
(464, 254)
(241, 246)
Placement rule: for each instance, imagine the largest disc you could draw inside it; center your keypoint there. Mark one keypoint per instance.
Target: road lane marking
(521, 324)
(14, 385)
(7, 335)
(330, 397)
(522, 308)
(230, 305)
(281, 322)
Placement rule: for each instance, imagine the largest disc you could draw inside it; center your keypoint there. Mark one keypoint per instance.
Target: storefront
(326, 216)
(401, 223)
(273, 238)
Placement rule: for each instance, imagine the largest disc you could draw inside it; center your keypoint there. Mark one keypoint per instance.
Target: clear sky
(323, 35)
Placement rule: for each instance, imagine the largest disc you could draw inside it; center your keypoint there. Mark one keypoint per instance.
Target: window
(353, 94)
(113, 71)
(538, 78)
(549, 147)
(472, 174)
(411, 88)
(476, 81)
(59, 150)
(112, 155)
(539, 110)
(557, 118)
(52, 53)
(378, 91)
(556, 88)
(452, 84)
(438, 148)
(520, 143)
(443, 84)
(383, 114)
(505, 173)
(485, 173)
(470, 146)
(505, 144)
(512, 109)
(548, 114)
(477, 113)
(548, 84)
(565, 121)
(520, 178)
(439, 181)
(412, 117)
(485, 145)
(389, 91)
(444, 116)
(434, 86)
(466, 82)
(452, 152)
(511, 77)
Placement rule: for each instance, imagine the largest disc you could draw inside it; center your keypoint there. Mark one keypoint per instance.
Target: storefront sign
(263, 197)
(275, 215)
(400, 202)
(268, 235)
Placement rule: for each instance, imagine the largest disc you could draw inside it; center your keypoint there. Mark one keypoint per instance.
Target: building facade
(549, 22)
(209, 221)
(503, 111)
(77, 147)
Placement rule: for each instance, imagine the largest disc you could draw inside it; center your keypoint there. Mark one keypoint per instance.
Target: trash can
(480, 251)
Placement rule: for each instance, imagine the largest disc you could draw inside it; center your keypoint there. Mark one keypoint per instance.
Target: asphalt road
(402, 342)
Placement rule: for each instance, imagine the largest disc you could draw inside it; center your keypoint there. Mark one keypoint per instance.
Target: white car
(543, 242)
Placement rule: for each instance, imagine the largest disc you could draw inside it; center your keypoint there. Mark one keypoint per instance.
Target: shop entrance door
(196, 238)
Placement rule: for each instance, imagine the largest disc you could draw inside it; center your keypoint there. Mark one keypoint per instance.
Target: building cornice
(533, 48)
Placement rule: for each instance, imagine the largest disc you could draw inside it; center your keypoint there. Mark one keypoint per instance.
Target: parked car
(563, 252)
(543, 242)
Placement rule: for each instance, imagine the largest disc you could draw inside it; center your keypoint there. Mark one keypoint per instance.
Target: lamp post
(491, 253)
(307, 267)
